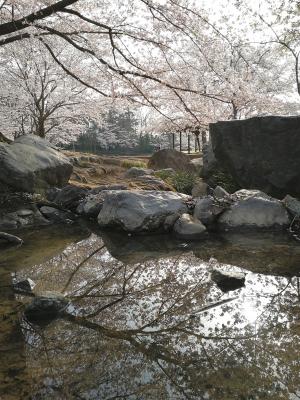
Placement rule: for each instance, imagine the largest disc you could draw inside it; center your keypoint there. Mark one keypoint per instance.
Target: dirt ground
(93, 170)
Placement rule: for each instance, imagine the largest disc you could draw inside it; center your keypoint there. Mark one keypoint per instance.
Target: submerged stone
(228, 281)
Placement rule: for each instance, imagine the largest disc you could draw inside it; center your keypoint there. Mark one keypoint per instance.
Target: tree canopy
(67, 62)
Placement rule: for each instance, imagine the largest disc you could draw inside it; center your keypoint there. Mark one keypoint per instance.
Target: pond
(146, 321)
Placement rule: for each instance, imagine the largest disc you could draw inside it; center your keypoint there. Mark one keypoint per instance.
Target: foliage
(220, 177)
(183, 182)
(132, 163)
(175, 60)
(164, 175)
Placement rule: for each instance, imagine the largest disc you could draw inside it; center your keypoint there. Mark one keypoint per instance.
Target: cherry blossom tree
(166, 56)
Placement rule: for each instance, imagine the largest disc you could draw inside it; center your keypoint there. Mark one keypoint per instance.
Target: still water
(146, 322)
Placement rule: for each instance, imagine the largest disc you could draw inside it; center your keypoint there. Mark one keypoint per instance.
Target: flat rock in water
(141, 210)
(255, 212)
(228, 281)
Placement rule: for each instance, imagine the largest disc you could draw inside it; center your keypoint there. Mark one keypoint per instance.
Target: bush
(182, 182)
(132, 163)
(165, 175)
(219, 177)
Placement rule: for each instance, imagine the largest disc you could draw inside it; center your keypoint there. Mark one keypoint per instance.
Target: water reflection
(146, 322)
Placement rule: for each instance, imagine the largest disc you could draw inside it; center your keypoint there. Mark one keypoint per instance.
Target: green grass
(132, 163)
(182, 182)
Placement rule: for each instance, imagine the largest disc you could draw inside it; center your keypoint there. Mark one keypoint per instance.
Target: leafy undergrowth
(219, 177)
(182, 182)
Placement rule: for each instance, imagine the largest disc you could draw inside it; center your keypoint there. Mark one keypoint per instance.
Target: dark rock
(10, 238)
(25, 286)
(31, 164)
(46, 307)
(228, 281)
(91, 205)
(51, 193)
(56, 215)
(209, 160)
(207, 210)
(22, 218)
(168, 158)
(260, 153)
(292, 205)
(70, 196)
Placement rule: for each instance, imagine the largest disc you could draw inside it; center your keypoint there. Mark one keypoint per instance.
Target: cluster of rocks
(146, 211)
(148, 177)
(46, 170)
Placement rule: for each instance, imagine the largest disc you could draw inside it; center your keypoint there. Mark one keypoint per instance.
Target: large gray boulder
(31, 164)
(168, 158)
(260, 153)
(142, 210)
(256, 211)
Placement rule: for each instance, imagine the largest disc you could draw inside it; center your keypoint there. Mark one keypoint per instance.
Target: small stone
(221, 193)
(228, 281)
(207, 210)
(24, 213)
(134, 172)
(187, 227)
(26, 285)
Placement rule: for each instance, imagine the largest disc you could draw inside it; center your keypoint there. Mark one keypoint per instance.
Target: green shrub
(219, 177)
(132, 163)
(183, 182)
(164, 175)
